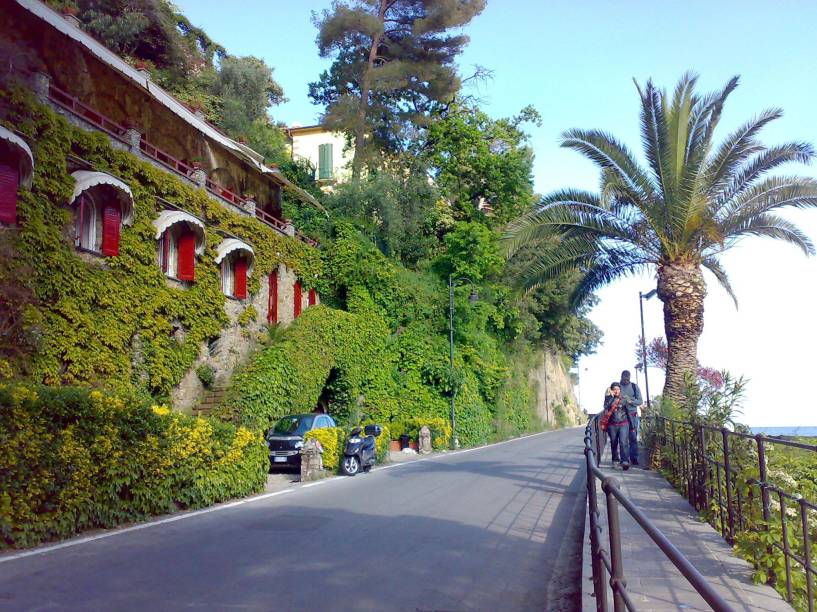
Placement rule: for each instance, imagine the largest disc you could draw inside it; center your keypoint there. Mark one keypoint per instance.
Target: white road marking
(170, 519)
(248, 500)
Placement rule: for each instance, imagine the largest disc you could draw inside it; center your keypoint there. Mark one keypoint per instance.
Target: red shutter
(313, 297)
(272, 306)
(298, 298)
(9, 183)
(111, 222)
(186, 268)
(240, 278)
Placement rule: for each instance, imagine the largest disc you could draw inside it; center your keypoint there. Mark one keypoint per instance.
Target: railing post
(617, 581)
(761, 460)
(807, 555)
(727, 469)
(599, 588)
(702, 470)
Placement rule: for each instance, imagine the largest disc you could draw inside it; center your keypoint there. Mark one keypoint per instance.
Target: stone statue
(424, 444)
(311, 460)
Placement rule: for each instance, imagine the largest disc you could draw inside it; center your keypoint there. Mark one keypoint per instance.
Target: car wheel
(350, 465)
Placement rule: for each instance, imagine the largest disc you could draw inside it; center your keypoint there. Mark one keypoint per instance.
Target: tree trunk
(365, 89)
(682, 288)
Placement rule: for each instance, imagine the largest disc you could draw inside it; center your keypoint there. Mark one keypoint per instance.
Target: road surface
(495, 528)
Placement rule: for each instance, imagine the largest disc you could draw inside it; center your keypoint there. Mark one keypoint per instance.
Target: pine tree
(394, 59)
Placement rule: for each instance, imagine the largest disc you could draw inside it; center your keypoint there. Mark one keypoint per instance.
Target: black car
(286, 438)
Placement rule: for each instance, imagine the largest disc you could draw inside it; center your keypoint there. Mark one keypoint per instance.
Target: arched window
(236, 260)
(16, 170)
(313, 297)
(180, 238)
(103, 204)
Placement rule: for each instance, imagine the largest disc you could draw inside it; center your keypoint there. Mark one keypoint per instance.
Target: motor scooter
(360, 453)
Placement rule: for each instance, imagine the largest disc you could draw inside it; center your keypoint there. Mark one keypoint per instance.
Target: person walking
(631, 395)
(618, 426)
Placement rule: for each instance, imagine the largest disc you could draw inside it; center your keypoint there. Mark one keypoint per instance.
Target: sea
(786, 431)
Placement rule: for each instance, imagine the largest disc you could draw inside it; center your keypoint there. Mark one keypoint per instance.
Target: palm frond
(762, 163)
(608, 153)
(569, 213)
(736, 149)
(714, 266)
(608, 267)
(771, 194)
(771, 226)
(654, 136)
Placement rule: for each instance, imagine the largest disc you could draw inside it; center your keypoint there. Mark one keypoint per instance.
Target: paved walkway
(652, 580)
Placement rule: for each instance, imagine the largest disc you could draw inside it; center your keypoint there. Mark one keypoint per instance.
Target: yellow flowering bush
(332, 440)
(74, 459)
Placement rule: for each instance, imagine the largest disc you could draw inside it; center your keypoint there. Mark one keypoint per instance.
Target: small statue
(311, 460)
(424, 444)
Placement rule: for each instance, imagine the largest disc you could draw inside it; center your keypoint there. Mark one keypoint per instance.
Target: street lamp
(641, 298)
(452, 282)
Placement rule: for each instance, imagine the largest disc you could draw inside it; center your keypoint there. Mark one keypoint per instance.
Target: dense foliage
(110, 322)
(74, 459)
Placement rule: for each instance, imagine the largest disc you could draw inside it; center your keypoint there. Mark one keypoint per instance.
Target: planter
(394, 445)
(413, 445)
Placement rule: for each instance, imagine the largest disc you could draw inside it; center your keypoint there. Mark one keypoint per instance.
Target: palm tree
(676, 216)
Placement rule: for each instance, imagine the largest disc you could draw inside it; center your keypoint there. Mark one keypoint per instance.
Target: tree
(397, 211)
(691, 203)
(483, 166)
(394, 59)
(247, 89)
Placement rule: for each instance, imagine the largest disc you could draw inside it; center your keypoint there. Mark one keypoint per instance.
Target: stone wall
(238, 342)
(554, 388)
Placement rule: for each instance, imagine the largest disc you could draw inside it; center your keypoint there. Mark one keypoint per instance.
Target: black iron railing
(608, 563)
(726, 476)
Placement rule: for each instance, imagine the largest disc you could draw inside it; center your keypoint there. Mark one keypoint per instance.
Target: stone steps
(211, 399)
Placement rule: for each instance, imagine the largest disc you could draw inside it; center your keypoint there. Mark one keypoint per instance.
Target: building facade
(116, 171)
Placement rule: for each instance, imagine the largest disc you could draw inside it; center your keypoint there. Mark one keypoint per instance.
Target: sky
(575, 62)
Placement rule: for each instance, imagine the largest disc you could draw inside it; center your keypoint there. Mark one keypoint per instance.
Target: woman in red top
(618, 425)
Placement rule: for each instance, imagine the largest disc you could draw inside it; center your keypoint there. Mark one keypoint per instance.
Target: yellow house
(326, 151)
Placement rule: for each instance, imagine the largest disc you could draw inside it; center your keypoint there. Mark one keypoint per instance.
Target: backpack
(605, 417)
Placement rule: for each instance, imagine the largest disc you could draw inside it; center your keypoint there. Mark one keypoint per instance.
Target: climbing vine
(113, 321)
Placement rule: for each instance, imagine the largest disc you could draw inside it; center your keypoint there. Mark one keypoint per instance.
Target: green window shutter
(325, 161)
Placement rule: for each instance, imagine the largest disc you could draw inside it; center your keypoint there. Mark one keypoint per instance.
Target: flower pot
(394, 445)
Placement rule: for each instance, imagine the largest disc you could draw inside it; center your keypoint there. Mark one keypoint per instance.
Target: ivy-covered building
(146, 242)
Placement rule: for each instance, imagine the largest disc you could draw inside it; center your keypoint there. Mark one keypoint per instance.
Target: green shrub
(440, 430)
(206, 375)
(75, 459)
(332, 440)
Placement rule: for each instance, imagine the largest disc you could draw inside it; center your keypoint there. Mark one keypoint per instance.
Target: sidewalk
(652, 580)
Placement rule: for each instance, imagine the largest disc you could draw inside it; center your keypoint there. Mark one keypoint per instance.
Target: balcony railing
(165, 159)
(98, 120)
(72, 104)
(224, 193)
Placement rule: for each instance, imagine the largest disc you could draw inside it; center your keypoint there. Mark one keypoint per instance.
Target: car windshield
(293, 425)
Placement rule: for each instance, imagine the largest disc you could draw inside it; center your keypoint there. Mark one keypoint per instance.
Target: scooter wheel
(350, 465)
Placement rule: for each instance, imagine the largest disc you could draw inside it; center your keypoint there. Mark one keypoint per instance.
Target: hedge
(75, 459)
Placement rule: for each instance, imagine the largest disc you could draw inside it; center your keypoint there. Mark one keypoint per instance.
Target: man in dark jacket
(632, 399)
(618, 426)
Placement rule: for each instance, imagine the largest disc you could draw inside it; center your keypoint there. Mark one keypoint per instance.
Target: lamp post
(641, 298)
(452, 282)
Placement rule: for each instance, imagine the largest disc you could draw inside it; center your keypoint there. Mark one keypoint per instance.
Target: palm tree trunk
(682, 288)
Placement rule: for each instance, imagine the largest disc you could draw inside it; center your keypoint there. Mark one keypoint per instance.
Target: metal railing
(117, 131)
(609, 561)
(97, 119)
(725, 475)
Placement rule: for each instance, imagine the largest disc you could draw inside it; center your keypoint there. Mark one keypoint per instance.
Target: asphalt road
(496, 528)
